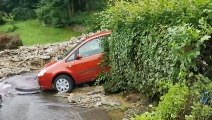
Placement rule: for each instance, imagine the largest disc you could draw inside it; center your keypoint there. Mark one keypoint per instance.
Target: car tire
(63, 83)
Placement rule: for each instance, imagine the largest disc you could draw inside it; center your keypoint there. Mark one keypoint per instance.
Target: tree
(53, 12)
(20, 9)
(59, 13)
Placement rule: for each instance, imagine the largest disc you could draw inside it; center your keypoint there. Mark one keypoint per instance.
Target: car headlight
(41, 73)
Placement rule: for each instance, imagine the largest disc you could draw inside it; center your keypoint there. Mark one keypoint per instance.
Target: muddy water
(116, 115)
(43, 105)
(36, 107)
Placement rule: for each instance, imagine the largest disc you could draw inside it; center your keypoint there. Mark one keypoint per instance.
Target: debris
(28, 59)
(93, 98)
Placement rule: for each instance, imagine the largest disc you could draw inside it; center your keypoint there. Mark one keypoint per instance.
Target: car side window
(71, 58)
(91, 48)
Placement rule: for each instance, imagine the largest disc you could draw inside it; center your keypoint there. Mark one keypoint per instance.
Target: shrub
(200, 112)
(1, 19)
(183, 102)
(22, 13)
(200, 107)
(82, 18)
(19, 9)
(160, 47)
(53, 13)
(172, 103)
(154, 44)
(9, 42)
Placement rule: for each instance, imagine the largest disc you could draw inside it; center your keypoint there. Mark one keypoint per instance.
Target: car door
(87, 66)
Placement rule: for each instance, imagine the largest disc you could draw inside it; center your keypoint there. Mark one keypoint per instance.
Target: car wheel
(63, 83)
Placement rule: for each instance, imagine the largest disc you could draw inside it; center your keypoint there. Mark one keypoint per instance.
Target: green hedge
(155, 43)
(182, 103)
(168, 109)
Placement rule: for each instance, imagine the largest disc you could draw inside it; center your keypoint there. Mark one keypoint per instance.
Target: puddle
(116, 115)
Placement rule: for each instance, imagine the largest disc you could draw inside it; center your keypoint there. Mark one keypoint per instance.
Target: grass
(33, 32)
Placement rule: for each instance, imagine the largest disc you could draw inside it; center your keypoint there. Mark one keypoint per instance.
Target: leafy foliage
(61, 13)
(198, 109)
(53, 12)
(168, 109)
(154, 44)
(182, 102)
(1, 19)
(20, 9)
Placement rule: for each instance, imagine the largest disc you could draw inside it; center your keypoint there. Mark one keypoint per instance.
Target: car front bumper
(45, 82)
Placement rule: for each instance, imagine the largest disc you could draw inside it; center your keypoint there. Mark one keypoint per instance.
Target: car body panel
(81, 70)
(87, 68)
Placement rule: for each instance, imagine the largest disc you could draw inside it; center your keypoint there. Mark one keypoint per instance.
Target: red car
(80, 65)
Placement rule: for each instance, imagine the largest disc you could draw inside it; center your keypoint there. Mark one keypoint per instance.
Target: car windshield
(68, 52)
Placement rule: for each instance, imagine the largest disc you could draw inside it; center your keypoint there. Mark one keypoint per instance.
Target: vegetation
(19, 9)
(170, 105)
(60, 13)
(57, 13)
(175, 105)
(27, 18)
(160, 48)
(154, 46)
(32, 32)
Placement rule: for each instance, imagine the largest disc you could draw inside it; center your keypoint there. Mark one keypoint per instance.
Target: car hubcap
(62, 85)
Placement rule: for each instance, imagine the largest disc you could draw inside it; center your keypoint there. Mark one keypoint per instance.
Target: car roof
(98, 34)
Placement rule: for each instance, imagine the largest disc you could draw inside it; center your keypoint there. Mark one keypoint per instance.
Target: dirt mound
(9, 42)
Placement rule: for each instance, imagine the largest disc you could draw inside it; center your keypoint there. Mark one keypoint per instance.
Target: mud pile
(9, 42)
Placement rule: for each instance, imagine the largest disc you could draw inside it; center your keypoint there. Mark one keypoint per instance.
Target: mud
(22, 100)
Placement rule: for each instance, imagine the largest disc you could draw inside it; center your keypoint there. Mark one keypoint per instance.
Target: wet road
(35, 105)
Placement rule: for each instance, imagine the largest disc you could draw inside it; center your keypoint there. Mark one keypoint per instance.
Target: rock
(23, 70)
(33, 68)
(86, 99)
(111, 103)
(15, 59)
(74, 98)
(44, 57)
(98, 104)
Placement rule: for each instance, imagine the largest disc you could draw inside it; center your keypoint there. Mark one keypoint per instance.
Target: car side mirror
(79, 57)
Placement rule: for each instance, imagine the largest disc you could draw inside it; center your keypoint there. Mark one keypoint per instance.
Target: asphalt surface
(21, 99)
